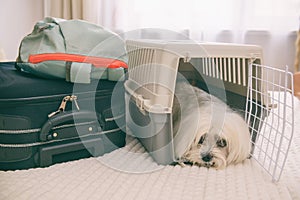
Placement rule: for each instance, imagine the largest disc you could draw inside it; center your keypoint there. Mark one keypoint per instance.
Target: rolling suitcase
(47, 121)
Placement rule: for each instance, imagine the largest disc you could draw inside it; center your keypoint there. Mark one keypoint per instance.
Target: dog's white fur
(200, 116)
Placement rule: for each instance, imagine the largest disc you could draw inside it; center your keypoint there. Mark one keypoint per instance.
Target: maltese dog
(206, 131)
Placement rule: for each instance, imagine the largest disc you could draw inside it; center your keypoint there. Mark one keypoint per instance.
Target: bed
(130, 173)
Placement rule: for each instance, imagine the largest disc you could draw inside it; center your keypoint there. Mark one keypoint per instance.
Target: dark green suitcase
(47, 121)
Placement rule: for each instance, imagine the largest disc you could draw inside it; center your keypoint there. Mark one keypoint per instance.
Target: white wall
(17, 18)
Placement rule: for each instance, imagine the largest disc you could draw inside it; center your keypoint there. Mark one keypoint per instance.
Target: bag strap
(95, 61)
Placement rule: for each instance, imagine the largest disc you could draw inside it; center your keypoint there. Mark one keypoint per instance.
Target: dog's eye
(202, 138)
(221, 143)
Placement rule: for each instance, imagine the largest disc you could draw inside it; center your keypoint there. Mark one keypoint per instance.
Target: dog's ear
(238, 138)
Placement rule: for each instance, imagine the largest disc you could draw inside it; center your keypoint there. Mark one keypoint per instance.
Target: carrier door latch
(140, 102)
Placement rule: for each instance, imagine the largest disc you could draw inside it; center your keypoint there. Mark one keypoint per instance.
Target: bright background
(273, 24)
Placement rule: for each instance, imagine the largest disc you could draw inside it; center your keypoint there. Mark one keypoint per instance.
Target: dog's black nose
(207, 157)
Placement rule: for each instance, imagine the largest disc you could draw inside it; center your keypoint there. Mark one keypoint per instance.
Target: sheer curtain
(67, 9)
(273, 24)
(95, 11)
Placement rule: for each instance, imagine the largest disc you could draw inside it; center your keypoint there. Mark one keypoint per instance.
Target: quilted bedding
(130, 173)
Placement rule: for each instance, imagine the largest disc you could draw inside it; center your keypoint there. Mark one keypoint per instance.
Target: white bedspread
(141, 178)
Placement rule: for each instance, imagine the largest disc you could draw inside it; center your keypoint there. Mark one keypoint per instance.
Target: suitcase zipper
(61, 140)
(23, 131)
(28, 131)
(56, 97)
(96, 61)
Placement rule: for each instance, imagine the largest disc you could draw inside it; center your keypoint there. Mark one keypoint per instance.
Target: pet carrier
(223, 70)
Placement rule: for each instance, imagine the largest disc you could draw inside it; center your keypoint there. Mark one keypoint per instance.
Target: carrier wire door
(275, 132)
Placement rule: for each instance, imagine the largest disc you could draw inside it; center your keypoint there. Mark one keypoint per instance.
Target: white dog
(206, 131)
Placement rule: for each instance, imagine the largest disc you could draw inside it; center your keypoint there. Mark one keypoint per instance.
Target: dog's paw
(182, 164)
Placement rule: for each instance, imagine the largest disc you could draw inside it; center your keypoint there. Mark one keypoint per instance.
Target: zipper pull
(74, 98)
(61, 107)
(63, 103)
(53, 113)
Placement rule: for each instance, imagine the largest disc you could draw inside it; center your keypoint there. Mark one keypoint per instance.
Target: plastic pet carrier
(232, 72)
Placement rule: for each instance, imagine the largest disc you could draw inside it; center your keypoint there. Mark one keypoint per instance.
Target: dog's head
(219, 149)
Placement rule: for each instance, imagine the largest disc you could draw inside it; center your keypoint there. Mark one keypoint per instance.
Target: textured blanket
(130, 173)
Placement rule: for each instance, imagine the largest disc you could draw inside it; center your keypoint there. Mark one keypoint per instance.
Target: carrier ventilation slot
(141, 60)
(233, 70)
